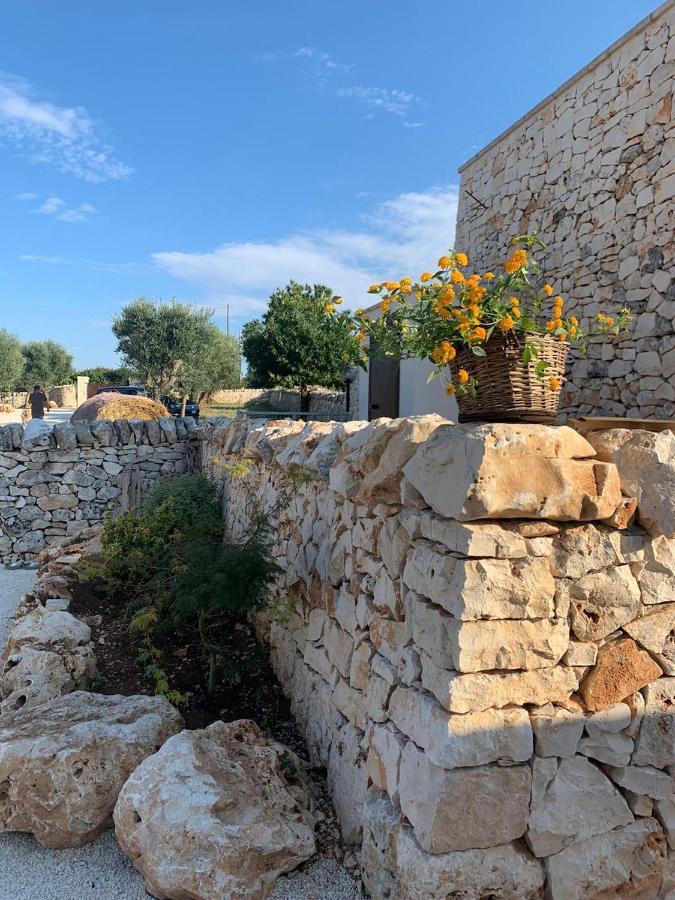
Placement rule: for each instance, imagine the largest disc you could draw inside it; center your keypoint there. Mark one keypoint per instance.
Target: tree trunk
(304, 398)
(183, 405)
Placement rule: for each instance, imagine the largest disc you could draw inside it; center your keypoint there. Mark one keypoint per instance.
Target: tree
(156, 338)
(296, 344)
(11, 361)
(46, 363)
(105, 375)
(214, 367)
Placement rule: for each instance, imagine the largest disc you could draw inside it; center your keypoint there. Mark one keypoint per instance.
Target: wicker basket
(508, 389)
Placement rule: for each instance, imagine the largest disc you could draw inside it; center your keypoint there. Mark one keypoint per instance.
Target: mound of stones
(220, 812)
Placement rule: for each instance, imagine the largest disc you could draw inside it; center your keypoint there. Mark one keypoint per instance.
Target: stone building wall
(477, 645)
(69, 478)
(321, 401)
(592, 170)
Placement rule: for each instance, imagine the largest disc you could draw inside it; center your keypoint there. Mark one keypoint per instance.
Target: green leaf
(478, 351)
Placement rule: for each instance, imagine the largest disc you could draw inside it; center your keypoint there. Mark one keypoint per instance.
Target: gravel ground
(100, 871)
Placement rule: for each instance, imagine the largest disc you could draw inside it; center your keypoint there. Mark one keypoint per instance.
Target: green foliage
(105, 375)
(296, 344)
(215, 367)
(45, 363)
(156, 339)
(11, 361)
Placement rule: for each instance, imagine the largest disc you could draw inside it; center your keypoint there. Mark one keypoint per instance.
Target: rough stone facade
(591, 169)
(477, 642)
(72, 476)
(327, 403)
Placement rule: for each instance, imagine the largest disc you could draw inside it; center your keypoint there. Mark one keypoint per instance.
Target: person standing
(39, 402)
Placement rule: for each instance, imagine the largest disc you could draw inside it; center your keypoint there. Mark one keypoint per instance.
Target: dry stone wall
(67, 479)
(477, 643)
(592, 170)
(321, 400)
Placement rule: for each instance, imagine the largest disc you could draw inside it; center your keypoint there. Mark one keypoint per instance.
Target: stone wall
(592, 171)
(68, 479)
(62, 395)
(322, 401)
(476, 640)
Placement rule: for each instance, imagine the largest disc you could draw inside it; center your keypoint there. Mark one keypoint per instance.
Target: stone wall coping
(593, 64)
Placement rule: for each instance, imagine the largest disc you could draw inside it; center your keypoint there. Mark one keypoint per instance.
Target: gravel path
(100, 871)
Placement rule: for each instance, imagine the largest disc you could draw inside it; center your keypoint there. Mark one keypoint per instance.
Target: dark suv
(131, 390)
(175, 407)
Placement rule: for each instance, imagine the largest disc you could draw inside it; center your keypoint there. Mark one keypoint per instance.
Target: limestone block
(50, 630)
(656, 576)
(601, 602)
(380, 824)
(627, 862)
(643, 780)
(387, 596)
(359, 670)
(339, 646)
(388, 637)
(580, 654)
(656, 633)
(348, 780)
(351, 703)
(611, 720)
(454, 741)
(463, 809)
(385, 746)
(557, 730)
(582, 549)
(655, 745)
(392, 545)
(502, 471)
(57, 501)
(64, 762)
(377, 698)
(474, 691)
(646, 464)
(469, 539)
(608, 748)
(215, 814)
(501, 873)
(571, 800)
(481, 588)
(621, 669)
(665, 813)
(32, 676)
(410, 666)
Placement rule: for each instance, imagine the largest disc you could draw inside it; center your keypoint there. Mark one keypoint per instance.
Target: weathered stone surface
(557, 730)
(380, 824)
(470, 692)
(481, 588)
(63, 763)
(348, 780)
(473, 539)
(454, 741)
(581, 549)
(602, 601)
(608, 748)
(45, 629)
(644, 780)
(33, 676)
(646, 464)
(655, 745)
(621, 669)
(656, 633)
(571, 800)
(463, 809)
(469, 472)
(501, 873)
(656, 575)
(385, 746)
(626, 862)
(215, 814)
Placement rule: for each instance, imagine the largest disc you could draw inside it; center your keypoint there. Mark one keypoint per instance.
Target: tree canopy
(296, 344)
(45, 363)
(106, 375)
(215, 366)
(11, 361)
(156, 339)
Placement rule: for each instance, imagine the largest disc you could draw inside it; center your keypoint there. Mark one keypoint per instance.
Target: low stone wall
(63, 395)
(477, 644)
(321, 400)
(69, 478)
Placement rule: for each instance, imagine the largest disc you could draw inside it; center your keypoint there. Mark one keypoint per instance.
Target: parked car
(131, 390)
(175, 407)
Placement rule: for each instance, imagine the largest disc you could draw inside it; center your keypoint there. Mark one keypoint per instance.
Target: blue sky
(212, 150)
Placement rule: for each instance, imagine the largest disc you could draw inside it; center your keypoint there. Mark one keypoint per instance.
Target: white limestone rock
(348, 780)
(218, 812)
(557, 730)
(655, 744)
(385, 746)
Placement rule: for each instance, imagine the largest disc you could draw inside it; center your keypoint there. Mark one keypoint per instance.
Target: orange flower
(392, 285)
(426, 276)
(456, 277)
(479, 333)
(384, 305)
(488, 276)
(505, 324)
(450, 390)
(444, 262)
(444, 353)
(548, 290)
(554, 384)
(463, 376)
(461, 259)
(516, 261)
(374, 289)
(446, 293)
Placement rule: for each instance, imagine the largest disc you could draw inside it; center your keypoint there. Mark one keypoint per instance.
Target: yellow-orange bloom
(463, 376)
(361, 336)
(450, 390)
(426, 276)
(384, 305)
(505, 324)
(442, 311)
(392, 285)
(554, 383)
(461, 259)
(374, 289)
(475, 311)
(338, 300)
(550, 326)
(444, 353)
(444, 262)
(488, 276)
(480, 333)
(447, 293)
(516, 261)
(514, 301)
(456, 277)
(515, 312)
(329, 308)
(548, 290)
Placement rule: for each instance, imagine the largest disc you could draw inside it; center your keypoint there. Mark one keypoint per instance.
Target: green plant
(98, 683)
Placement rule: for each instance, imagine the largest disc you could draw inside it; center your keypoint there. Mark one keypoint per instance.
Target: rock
(656, 633)
(580, 654)
(348, 780)
(655, 745)
(626, 862)
(646, 464)
(611, 749)
(571, 800)
(656, 576)
(471, 692)
(481, 588)
(453, 741)
(665, 813)
(463, 809)
(44, 629)
(63, 763)
(621, 669)
(643, 780)
(557, 730)
(384, 758)
(31, 676)
(611, 720)
(581, 549)
(473, 539)
(500, 873)
(218, 812)
(601, 602)
(501, 471)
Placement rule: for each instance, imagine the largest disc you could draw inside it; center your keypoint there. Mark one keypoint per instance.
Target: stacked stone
(477, 644)
(592, 171)
(67, 479)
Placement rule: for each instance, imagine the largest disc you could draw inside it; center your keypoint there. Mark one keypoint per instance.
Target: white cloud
(395, 102)
(402, 236)
(26, 195)
(63, 136)
(112, 268)
(55, 206)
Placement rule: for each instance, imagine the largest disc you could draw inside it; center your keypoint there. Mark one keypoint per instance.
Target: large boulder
(506, 471)
(220, 812)
(63, 763)
(646, 464)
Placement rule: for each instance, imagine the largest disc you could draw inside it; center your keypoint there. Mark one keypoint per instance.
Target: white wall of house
(416, 396)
